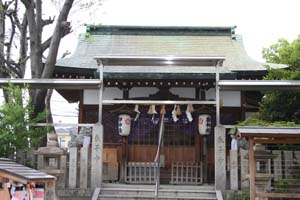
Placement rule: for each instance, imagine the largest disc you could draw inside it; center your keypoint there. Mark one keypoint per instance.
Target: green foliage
(284, 52)
(244, 195)
(282, 185)
(16, 131)
(287, 185)
(282, 105)
(257, 120)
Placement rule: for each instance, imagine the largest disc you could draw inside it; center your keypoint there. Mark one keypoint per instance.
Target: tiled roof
(17, 172)
(162, 43)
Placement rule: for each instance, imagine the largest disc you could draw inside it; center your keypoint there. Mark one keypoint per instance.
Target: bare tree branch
(7, 4)
(15, 15)
(23, 45)
(48, 21)
(11, 37)
(35, 45)
(62, 27)
(65, 54)
(46, 43)
(26, 3)
(10, 66)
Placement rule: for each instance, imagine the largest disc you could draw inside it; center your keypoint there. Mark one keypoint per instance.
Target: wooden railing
(186, 173)
(141, 172)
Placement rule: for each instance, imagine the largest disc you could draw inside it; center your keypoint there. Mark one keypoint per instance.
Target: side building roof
(160, 41)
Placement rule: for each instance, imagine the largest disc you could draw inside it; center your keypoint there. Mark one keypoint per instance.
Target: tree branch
(23, 45)
(26, 3)
(7, 4)
(10, 66)
(46, 43)
(12, 34)
(48, 21)
(15, 15)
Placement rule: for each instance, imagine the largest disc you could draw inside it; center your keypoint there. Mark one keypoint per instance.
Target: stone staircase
(126, 191)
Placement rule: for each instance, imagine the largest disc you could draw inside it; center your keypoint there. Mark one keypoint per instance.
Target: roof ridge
(160, 30)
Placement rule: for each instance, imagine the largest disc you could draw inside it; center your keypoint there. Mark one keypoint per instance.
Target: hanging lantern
(124, 124)
(204, 124)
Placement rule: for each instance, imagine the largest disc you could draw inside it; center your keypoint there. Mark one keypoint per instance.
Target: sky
(260, 22)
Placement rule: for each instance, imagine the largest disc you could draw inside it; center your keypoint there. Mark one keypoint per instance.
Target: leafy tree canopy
(284, 52)
(280, 108)
(282, 105)
(16, 127)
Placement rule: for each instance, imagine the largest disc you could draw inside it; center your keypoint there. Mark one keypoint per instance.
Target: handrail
(157, 157)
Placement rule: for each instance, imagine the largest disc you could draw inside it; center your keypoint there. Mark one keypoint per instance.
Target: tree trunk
(35, 39)
(2, 40)
(49, 118)
(61, 26)
(23, 45)
(3, 72)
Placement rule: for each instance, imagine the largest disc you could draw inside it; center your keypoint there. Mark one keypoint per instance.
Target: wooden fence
(141, 172)
(186, 173)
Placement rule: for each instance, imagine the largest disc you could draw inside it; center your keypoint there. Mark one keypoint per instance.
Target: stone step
(163, 192)
(160, 189)
(172, 187)
(127, 191)
(147, 197)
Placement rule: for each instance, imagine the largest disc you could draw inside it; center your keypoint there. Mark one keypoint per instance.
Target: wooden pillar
(197, 147)
(97, 157)
(252, 169)
(123, 159)
(204, 158)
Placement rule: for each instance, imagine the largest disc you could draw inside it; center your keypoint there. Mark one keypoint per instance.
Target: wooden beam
(12, 177)
(270, 135)
(25, 180)
(277, 195)
(277, 141)
(252, 169)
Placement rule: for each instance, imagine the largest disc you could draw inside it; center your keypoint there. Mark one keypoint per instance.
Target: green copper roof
(161, 41)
